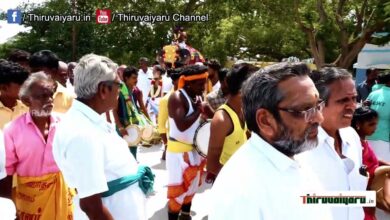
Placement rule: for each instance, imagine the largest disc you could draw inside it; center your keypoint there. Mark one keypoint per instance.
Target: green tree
(233, 25)
(336, 30)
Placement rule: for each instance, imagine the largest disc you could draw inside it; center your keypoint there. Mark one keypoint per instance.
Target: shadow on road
(161, 214)
(160, 166)
(152, 149)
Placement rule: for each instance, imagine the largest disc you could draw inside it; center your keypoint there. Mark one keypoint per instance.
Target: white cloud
(12, 4)
(10, 30)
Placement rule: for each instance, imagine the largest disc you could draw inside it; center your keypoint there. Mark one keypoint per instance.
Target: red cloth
(371, 161)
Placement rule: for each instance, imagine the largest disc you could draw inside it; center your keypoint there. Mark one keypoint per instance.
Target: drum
(134, 136)
(201, 138)
(377, 185)
(149, 133)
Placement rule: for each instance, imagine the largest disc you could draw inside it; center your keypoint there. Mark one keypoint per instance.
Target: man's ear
(266, 123)
(103, 91)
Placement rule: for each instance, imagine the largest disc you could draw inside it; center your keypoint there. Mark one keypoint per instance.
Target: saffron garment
(40, 191)
(184, 164)
(184, 177)
(46, 197)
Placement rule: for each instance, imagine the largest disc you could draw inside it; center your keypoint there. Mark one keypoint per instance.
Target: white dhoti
(184, 177)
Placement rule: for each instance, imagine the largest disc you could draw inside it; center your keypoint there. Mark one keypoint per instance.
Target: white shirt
(166, 84)
(7, 209)
(3, 172)
(70, 87)
(186, 136)
(260, 183)
(144, 82)
(90, 153)
(216, 86)
(338, 174)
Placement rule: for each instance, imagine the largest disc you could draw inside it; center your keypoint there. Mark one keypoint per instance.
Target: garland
(154, 94)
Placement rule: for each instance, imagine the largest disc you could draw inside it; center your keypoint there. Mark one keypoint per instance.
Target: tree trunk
(317, 50)
(74, 10)
(345, 60)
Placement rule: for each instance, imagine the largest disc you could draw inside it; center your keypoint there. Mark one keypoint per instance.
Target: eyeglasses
(43, 95)
(306, 114)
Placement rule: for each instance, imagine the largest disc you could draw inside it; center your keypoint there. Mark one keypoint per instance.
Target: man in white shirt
(91, 155)
(7, 207)
(337, 158)
(145, 76)
(262, 180)
(69, 82)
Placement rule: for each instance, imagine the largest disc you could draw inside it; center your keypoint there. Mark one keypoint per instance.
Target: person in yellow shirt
(162, 120)
(228, 129)
(48, 62)
(12, 76)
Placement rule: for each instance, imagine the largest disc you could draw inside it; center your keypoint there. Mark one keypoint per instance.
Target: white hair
(90, 71)
(25, 89)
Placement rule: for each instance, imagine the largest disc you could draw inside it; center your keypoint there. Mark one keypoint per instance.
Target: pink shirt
(27, 152)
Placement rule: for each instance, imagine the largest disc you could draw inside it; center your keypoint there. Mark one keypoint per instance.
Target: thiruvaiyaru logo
(14, 16)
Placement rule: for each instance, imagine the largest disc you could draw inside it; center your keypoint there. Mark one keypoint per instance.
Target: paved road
(156, 204)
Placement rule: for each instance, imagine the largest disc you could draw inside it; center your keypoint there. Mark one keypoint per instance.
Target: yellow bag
(46, 198)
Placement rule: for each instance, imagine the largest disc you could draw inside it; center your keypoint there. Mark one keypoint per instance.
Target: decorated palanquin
(172, 52)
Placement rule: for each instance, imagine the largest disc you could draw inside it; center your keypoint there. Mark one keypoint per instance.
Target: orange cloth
(183, 78)
(209, 87)
(185, 179)
(43, 197)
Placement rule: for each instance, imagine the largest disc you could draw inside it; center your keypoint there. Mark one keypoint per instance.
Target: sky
(7, 31)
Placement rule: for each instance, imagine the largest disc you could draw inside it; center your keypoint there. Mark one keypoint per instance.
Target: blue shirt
(363, 90)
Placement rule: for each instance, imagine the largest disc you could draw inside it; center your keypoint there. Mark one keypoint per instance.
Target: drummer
(228, 127)
(128, 112)
(162, 119)
(184, 164)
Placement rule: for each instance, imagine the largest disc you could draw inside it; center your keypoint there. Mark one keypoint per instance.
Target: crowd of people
(275, 133)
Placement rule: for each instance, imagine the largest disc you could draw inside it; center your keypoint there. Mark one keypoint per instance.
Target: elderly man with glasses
(262, 180)
(91, 155)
